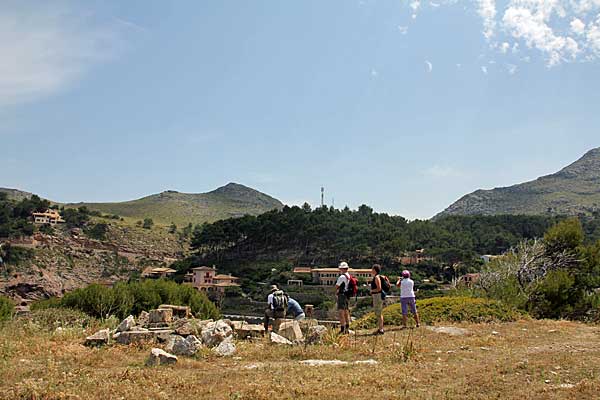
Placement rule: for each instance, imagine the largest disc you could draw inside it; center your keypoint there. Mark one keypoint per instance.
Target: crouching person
(295, 310)
(277, 304)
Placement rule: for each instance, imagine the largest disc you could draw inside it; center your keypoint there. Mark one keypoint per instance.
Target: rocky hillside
(15, 194)
(52, 264)
(573, 190)
(232, 200)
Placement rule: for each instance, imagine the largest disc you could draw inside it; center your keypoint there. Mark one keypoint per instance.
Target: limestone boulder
(277, 339)
(226, 348)
(160, 357)
(291, 331)
(246, 331)
(215, 332)
(184, 327)
(143, 319)
(315, 334)
(99, 338)
(127, 324)
(186, 347)
(161, 316)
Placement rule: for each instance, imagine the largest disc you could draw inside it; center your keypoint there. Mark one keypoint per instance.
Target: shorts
(377, 304)
(342, 302)
(408, 302)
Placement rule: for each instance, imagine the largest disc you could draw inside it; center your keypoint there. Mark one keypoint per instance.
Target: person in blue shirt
(295, 310)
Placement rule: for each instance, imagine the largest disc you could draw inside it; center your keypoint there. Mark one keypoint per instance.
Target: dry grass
(520, 360)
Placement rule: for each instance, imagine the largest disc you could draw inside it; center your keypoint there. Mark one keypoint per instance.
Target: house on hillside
(469, 280)
(414, 257)
(157, 273)
(208, 280)
(328, 276)
(51, 217)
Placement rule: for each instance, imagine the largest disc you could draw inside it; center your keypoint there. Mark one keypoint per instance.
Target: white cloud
(504, 47)
(403, 29)
(530, 24)
(593, 37)
(374, 73)
(484, 69)
(415, 5)
(429, 66)
(512, 69)
(487, 11)
(578, 26)
(46, 49)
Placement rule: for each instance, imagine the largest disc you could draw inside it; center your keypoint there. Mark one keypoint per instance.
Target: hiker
(295, 309)
(407, 298)
(342, 293)
(277, 304)
(380, 286)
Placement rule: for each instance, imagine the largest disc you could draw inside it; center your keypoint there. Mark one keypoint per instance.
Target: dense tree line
(347, 234)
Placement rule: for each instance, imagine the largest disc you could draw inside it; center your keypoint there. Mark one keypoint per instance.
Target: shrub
(148, 223)
(7, 309)
(97, 231)
(50, 319)
(452, 309)
(132, 298)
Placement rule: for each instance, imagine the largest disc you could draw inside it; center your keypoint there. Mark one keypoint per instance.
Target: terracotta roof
(359, 270)
(222, 276)
(203, 268)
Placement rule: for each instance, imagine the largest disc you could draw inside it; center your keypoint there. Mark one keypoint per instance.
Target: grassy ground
(520, 360)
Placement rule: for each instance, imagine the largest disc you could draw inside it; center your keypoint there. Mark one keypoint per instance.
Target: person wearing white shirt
(341, 285)
(407, 298)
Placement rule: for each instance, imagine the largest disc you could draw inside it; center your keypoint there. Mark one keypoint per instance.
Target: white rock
(186, 347)
(99, 338)
(449, 330)
(160, 357)
(214, 333)
(319, 363)
(367, 362)
(291, 331)
(127, 324)
(226, 348)
(277, 339)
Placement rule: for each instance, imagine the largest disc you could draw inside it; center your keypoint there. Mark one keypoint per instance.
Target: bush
(7, 309)
(132, 298)
(442, 309)
(97, 231)
(50, 319)
(148, 223)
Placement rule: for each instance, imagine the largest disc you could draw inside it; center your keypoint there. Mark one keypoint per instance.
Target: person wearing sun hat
(277, 304)
(343, 307)
(407, 298)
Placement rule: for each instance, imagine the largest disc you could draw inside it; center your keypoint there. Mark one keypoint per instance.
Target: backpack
(352, 287)
(386, 287)
(280, 301)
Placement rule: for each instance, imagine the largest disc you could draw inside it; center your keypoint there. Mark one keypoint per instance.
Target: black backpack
(280, 301)
(386, 287)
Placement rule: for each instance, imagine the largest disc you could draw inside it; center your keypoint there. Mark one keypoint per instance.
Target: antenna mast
(322, 196)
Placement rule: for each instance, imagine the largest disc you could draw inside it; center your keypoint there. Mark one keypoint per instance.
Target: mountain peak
(573, 190)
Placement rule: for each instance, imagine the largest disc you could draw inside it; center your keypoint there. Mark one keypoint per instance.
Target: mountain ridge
(573, 190)
(171, 206)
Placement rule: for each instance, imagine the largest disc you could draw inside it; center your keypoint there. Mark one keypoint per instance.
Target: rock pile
(183, 336)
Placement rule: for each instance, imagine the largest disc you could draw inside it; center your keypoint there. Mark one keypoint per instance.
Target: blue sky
(405, 106)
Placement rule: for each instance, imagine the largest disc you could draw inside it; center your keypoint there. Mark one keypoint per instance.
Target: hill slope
(231, 200)
(15, 194)
(573, 190)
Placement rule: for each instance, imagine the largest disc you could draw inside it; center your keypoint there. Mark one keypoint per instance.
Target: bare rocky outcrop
(226, 348)
(127, 324)
(186, 346)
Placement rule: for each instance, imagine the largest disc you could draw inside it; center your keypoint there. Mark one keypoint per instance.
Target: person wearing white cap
(341, 286)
